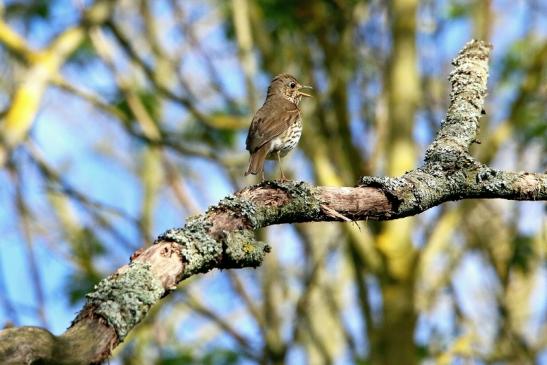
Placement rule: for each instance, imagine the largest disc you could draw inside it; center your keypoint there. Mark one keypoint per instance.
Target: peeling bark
(223, 236)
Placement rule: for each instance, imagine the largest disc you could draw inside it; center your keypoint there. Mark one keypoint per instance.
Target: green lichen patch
(494, 182)
(239, 207)
(303, 203)
(172, 235)
(418, 189)
(124, 299)
(292, 188)
(200, 251)
(241, 249)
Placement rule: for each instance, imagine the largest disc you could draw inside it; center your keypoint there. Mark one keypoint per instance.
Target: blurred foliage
(460, 9)
(523, 252)
(148, 99)
(84, 54)
(28, 10)
(214, 357)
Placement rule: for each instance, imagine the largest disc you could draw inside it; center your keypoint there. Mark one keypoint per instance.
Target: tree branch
(223, 236)
(43, 67)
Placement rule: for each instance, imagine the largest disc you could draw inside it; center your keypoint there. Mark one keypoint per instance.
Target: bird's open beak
(304, 87)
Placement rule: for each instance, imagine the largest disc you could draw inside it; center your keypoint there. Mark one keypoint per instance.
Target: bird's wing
(274, 118)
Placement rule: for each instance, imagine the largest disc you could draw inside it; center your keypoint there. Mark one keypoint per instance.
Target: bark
(223, 237)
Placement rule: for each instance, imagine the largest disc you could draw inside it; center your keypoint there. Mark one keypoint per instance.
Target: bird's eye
(292, 85)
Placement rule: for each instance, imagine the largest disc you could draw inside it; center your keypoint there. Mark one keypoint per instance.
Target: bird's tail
(256, 161)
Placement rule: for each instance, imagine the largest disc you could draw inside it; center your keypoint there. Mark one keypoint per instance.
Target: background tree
(120, 119)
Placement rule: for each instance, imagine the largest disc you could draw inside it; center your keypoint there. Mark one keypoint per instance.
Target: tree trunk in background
(482, 20)
(393, 340)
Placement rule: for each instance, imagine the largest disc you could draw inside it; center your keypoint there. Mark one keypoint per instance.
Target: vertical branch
(10, 309)
(36, 278)
(240, 9)
(274, 347)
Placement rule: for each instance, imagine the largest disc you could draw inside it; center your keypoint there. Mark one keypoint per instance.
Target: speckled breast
(286, 141)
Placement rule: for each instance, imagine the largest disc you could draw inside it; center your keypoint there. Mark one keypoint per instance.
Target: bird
(277, 126)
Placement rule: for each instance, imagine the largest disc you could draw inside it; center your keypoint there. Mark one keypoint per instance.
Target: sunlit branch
(43, 67)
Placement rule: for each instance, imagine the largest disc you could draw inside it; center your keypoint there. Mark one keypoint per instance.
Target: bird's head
(288, 87)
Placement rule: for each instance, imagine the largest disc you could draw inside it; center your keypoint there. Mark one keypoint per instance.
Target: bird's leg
(280, 167)
(262, 174)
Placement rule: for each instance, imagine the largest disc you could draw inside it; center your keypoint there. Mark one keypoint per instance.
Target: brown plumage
(277, 125)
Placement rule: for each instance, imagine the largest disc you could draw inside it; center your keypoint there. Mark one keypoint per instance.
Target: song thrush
(277, 125)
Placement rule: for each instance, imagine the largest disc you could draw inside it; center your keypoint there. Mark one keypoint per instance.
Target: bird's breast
(286, 141)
